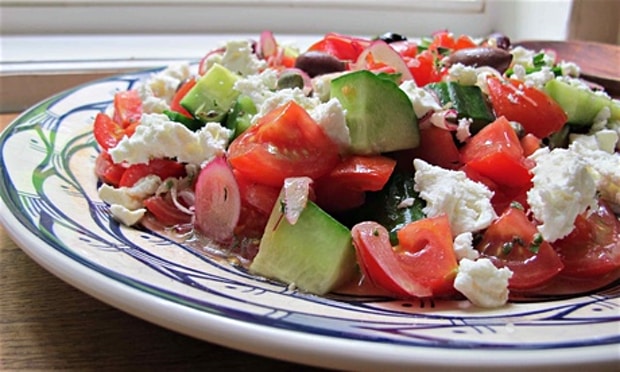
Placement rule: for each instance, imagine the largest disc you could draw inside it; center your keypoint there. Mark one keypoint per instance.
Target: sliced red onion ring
(296, 192)
(442, 119)
(218, 202)
(202, 66)
(383, 52)
(267, 45)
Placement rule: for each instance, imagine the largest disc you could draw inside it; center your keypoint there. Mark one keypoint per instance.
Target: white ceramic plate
(51, 209)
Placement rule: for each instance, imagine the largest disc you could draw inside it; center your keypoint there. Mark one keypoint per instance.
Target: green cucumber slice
(315, 254)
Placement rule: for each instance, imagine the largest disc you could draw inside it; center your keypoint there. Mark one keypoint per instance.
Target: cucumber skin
(580, 105)
(384, 206)
(316, 254)
(467, 100)
(379, 114)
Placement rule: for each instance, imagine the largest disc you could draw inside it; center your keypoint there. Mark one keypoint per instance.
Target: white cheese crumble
(126, 203)
(422, 101)
(482, 283)
(283, 96)
(538, 79)
(159, 137)
(158, 90)
(330, 116)
(125, 216)
(466, 202)
(462, 129)
(602, 161)
(569, 69)
(239, 58)
(464, 75)
(130, 197)
(563, 188)
(464, 248)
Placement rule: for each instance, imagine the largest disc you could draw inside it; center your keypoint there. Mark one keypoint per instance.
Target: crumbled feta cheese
(239, 58)
(157, 91)
(283, 96)
(522, 56)
(600, 120)
(321, 85)
(464, 75)
(125, 216)
(159, 137)
(258, 87)
(482, 283)
(464, 248)
(466, 202)
(603, 165)
(130, 197)
(538, 79)
(330, 116)
(569, 69)
(563, 188)
(422, 101)
(462, 129)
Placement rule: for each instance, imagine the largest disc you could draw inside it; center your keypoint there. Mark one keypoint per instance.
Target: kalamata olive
(501, 41)
(318, 63)
(391, 37)
(497, 58)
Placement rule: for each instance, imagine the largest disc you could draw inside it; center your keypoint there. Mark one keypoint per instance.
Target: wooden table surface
(46, 324)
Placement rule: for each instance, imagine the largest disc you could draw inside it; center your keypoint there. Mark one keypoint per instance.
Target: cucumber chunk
(213, 95)
(581, 105)
(315, 254)
(467, 100)
(379, 114)
(240, 117)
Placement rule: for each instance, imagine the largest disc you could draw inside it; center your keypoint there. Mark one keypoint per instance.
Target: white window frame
(63, 42)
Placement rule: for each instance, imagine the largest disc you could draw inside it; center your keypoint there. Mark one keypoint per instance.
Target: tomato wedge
(108, 171)
(592, 249)
(362, 173)
(345, 186)
(495, 152)
(437, 147)
(538, 113)
(343, 47)
(286, 142)
(127, 108)
(175, 104)
(164, 168)
(424, 68)
(422, 264)
(513, 241)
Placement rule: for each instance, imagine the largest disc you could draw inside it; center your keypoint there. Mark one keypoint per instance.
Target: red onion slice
(267, 45)
(383, 52)
(218, 201)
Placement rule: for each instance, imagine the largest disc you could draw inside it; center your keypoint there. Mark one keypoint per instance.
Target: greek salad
(442, 167)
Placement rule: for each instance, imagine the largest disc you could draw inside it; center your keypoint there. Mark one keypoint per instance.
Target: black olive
(318, 63)
(391, 37)
(501, 41)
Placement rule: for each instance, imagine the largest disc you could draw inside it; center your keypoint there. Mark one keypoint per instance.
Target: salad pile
(446, 167)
